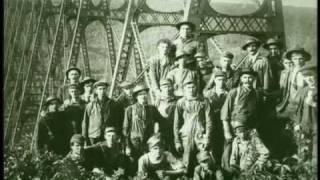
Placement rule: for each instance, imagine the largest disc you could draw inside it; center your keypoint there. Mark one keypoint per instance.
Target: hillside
(300, 28)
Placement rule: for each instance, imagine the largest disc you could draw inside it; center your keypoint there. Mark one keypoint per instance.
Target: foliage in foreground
(19, 164)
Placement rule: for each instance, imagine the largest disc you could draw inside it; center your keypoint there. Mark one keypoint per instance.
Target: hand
(233, 66)
(160, 174)
(128, 151)
(179, 147)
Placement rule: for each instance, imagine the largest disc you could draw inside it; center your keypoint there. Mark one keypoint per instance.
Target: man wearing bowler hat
(274, 46)
(50, 128)
(243, 101)
(258, 63)
(73, 75)
(186, 41)
(192, 124)
(99, 113)
(141, 122)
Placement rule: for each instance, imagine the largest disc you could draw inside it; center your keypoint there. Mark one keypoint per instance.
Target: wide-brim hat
(251, 41)
(73, 68)
(247, 71)
(192, 25)
(50, 99)
(272, 41)
(139, 88)
(100, 83)
(309, 70)
(87, 80)
(298, 50)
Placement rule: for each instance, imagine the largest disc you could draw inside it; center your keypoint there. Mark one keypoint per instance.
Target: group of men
(206, 122)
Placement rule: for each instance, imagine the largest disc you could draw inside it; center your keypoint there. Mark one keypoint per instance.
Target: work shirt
(242, 104)
(139, 122)
(264, 73)
(245, 153)
(97, 116)
(74, 111)
(149, 168)
(54, 133)
(188, 46)
(159, 69)
(178, 76)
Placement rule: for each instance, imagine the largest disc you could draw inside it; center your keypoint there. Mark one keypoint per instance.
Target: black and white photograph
(160, 90)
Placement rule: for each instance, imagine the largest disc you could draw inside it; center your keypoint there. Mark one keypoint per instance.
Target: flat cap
(251, 41)
(298, 49)
(247, 71)
(100, 83)
(200, 54)
(219, 73)
(86, 80)
(74, 86)
(239, 123)
(153, 141)
(188, 81)
(109, 129)
(126, 84)
(78, 138)
(166, 82)
(73, 68)
(50, 99)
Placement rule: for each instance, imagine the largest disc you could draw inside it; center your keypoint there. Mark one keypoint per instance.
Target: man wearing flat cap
(99, 113)
(205, 66)
(49, 136)
(225, 62)
(217, 96)
(192, 124)
(108, 156)
(242, 103)
(140, 122)
(187, 69)
(158, 163)
(166, 105)
(87, 85)
(208, 168)
(258, 63)
(160, 64)
(186, 42)
(73, 75)
(74, 107)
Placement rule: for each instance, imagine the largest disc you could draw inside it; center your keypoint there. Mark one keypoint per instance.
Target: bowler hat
(72, 68)
(139, 88)
(192, 25)
(100, 83)
(153, 141)
(272, 41)
(77, 138)
(298, 50)
(50, 99)
(251, 41)
(227, 54)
